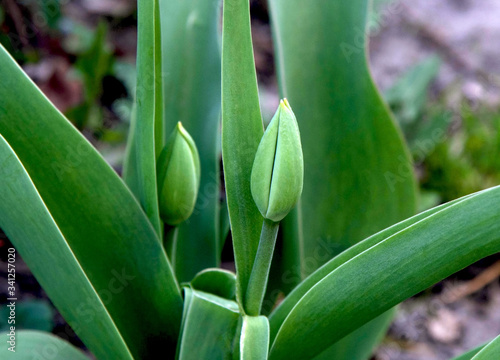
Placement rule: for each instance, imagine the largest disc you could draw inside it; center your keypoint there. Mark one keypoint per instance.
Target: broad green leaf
(389, 272)
(217, 282)
(140, 167)
(361, 342)
(209, 324)
(37, 226)
(242, 130)
(254, 338)
(489, 351)
(469, 354)
(32, 345)
(358, 175)
(192, 95)
(281, 312)
(102, 224)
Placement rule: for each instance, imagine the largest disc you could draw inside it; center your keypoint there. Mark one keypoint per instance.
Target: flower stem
(260, 272)
(170, 242)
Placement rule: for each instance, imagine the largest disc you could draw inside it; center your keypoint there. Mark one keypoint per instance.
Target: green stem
(260, 272)
(170, 242)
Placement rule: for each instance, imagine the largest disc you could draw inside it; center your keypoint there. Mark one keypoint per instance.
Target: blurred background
(437, 64)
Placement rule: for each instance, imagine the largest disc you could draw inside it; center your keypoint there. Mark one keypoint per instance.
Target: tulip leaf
(281, 312)
(358, 177)
(489, 351)
(209, 324)
(469, 354)
(192, 95)
(39, 226)
(101, 224)
(143, 148)
(365, 342)
(389, 272)
(39, 345)
(254, 338)
(352, 149)
(217, 282)
(242, 130)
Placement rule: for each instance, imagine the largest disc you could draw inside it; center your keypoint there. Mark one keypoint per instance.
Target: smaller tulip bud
(178, 175)
(278, 168)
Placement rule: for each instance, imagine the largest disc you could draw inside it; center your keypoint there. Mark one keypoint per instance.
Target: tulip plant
(322, 219)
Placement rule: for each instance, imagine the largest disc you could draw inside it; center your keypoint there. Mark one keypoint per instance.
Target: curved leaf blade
(208, 326)
(281, 312)
(101, 220)
(73, 293)
(389, 272)
(218, 282)
(140, 167)
(358, 177)
(469, 354)
(192, 95)
(490, 351)
(354, 154)
(242, 130)
(254, 339)
(361, 342)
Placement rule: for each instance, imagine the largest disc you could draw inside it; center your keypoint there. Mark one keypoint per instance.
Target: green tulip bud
(278, 168)
(178, 175)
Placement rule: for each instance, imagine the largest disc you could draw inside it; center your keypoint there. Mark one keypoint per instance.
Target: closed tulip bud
(278, 168)
(178, 175)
